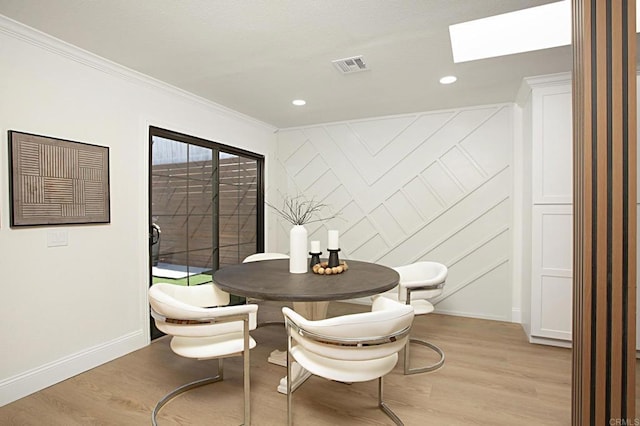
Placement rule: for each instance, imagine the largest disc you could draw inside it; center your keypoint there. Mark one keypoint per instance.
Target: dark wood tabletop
(271, 280)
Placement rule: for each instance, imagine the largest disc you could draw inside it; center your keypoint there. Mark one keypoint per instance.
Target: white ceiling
(256, 56)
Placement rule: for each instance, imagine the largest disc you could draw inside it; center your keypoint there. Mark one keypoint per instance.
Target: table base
(311, 311)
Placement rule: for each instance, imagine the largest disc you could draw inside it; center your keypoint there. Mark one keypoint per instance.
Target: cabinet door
(551, 283)
(552, 155)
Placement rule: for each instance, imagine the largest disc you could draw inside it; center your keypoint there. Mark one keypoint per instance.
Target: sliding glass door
(239, 202)
(206, 207)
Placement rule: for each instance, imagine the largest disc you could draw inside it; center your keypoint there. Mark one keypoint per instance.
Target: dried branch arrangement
(299, 211)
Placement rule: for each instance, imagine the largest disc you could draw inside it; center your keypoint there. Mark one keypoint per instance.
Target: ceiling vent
(350, 65)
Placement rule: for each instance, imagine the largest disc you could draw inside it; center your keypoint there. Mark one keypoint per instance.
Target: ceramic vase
(298, 263)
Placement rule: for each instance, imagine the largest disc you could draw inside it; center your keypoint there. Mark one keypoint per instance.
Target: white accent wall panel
(426, 186)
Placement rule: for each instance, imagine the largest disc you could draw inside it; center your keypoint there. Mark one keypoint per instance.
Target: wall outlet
(57, 238)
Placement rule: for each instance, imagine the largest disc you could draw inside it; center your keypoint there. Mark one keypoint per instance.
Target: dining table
(309, 292)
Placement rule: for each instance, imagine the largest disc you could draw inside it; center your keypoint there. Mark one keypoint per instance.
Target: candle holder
(315, 258)
(333, 257)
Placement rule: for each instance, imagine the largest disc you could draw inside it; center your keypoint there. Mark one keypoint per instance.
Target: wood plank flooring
(492, 376)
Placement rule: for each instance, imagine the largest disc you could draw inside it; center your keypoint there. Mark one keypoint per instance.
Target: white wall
(425, 186)
(66, 309)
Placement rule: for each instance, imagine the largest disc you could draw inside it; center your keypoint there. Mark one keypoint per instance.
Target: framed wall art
(57, 182)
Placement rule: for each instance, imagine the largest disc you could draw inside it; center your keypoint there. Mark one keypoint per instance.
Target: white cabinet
(551, 271)
(547, 210)
(548, 207)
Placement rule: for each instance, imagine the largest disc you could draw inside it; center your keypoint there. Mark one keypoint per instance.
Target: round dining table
(309, 292)
(271, 280)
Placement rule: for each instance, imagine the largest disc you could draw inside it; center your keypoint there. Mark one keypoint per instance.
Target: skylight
(524, 30)
(536, 28)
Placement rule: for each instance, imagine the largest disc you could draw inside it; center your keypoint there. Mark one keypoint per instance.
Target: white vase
(298, 261)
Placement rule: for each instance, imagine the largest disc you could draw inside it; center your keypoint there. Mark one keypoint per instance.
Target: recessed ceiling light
(448, 79)
(299, 102)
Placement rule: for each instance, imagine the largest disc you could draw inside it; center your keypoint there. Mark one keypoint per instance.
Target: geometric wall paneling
(479, 260)
(370, 249)
(288, 143)
(377, 134)
(444, 184)
(480, 230)
(405, 214)
(425, 186)
(310, 176)
(486, 295)
(423, 197)
(57, 182)
(462, 167)
(376, 165)
(300, 159)
(490, 145)
(390, 229)
(456, 218)
(359, 235)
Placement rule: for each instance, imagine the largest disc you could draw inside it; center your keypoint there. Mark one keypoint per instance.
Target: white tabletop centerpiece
(299, 211)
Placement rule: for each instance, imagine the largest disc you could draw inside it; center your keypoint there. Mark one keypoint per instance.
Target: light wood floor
(491, 376)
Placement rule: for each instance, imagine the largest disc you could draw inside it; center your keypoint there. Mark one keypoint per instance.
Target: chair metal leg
(184, 388)
(289, 380)
(246, 357)
(407, 367)
(218, 377)
(384, 407)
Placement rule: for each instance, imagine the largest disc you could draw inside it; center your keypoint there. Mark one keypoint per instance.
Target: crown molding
(66, 50)
(528, 83)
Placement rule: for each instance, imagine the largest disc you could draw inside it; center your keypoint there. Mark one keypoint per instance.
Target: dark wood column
(604, 308)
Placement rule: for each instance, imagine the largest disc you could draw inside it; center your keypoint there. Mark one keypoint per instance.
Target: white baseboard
(516, 315)
(367, 301)
(470, 315)
(23, 384)
(560, 343)
(550, 342)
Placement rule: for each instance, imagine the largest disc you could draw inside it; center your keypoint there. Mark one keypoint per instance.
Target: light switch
(57, 238)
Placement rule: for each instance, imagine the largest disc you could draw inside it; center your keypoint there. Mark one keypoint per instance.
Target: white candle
(315, 246)
(333, 240)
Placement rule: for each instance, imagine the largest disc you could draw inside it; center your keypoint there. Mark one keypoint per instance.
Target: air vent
(350, 65)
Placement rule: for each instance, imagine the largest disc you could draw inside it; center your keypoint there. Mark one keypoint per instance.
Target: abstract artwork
(57, 182)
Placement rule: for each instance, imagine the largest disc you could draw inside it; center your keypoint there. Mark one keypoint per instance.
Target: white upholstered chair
(257, 257)
(264, 256)
(419, 282)
(203, 328)
(349, 348)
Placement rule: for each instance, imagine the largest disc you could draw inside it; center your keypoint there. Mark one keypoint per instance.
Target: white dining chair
(419, 282)
(349, 348)
(257, 257)
(203, 328)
